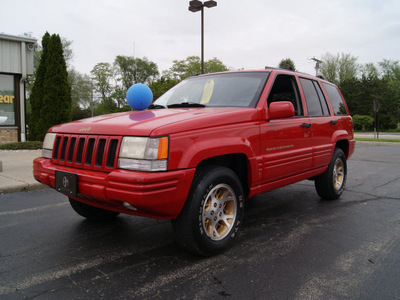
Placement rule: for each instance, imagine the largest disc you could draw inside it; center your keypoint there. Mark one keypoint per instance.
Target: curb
(23, 187)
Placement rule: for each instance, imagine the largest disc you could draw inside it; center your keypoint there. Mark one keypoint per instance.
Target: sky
(248, 34)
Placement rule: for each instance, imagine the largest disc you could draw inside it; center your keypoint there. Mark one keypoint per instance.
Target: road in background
(293, 246)
(382, 135)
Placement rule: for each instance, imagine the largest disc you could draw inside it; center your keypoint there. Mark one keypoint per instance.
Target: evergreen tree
(36, 95)
(54, 101)
(287, 64)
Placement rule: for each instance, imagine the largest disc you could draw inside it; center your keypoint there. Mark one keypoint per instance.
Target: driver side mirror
(280, 110)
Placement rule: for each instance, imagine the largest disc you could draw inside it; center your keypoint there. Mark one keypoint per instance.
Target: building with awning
(16, 63)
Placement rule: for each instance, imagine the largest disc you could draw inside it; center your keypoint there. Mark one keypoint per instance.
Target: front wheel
(330, 185)
(92, 213)
(213, 212)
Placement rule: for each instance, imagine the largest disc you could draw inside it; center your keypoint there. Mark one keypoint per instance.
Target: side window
(336, 100)
(324, 105)
(285, 89)
(316, 103)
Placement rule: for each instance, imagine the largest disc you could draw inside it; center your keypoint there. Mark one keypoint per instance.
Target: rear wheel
(213, 212)
(330, 185)
(91, 212)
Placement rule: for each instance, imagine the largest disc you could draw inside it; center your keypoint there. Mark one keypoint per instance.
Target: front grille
(92, 152)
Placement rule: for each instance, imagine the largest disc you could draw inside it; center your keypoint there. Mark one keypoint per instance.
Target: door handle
(306, 125)
(333, 122)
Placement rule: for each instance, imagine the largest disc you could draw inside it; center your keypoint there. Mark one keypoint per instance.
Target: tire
(92, 213)
(330, 185)
(213, 212)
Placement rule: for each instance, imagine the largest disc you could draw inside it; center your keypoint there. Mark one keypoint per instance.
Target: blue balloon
(139, 96)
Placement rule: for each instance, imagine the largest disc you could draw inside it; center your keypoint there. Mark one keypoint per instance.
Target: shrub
(22, 146)
(363, 123)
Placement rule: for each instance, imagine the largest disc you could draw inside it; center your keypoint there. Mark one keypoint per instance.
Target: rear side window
(336, 100)
(285, 89)
(316, 103)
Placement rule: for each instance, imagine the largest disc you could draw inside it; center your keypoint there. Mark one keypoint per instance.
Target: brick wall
(8, 135)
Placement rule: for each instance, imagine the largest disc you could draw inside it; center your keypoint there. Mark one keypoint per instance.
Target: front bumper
(157, 195)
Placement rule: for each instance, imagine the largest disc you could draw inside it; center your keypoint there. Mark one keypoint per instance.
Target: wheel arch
(344, 145)
(340, 139)
(237, 162)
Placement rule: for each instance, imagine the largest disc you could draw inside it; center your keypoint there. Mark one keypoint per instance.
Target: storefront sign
(7, 97)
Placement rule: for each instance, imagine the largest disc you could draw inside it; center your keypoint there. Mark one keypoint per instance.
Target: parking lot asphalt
(293, 245)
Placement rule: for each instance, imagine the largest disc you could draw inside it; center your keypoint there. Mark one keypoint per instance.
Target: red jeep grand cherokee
(201, 149)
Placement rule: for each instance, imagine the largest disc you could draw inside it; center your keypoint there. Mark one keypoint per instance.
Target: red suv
(201, 149)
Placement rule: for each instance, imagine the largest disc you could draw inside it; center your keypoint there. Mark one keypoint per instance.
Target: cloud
(252, 34)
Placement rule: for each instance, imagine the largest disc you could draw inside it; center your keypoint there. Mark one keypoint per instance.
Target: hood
(158, 122)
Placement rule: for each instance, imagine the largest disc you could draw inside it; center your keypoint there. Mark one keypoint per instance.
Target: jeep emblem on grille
(84, 129)
(65, 182)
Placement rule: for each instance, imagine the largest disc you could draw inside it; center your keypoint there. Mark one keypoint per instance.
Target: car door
(286, 147)
(322, 123)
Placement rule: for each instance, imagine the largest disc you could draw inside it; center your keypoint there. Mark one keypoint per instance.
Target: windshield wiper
(186, 104)
(156, 106)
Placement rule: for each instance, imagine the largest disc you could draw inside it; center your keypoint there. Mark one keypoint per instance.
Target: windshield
(224, 90)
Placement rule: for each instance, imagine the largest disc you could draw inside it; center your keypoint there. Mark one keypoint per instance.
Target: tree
(51, 93)
(287, 64)
(389, 113)
(37, 55)
(129, 70)
(135, 70)
(125, 69)
(390, 69)
(369, 72)
(381, 84)
(81, 89)
(102, 74)
(144, 71)
(191, 66)
(36, 95)
(68, 55)
(81, 94)
(340, 67)
(160, 86)
(214, 65)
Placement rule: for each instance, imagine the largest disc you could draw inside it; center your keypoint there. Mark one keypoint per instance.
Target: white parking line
(34, 209)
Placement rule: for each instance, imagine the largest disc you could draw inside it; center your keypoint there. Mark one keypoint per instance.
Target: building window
(7, 99)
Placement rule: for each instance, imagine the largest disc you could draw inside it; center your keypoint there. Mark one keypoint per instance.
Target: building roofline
(17, 38)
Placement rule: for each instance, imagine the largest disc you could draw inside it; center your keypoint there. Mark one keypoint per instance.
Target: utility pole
(317, 63)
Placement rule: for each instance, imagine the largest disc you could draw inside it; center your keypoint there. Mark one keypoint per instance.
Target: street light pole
(317, 64)
(202, 39)
(194, 6)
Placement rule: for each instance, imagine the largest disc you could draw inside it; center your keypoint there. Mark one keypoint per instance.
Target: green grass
(378, 140)
(22, 146)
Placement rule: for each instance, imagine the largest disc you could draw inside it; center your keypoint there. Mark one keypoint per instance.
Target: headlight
(144, 154)
(48, 144)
